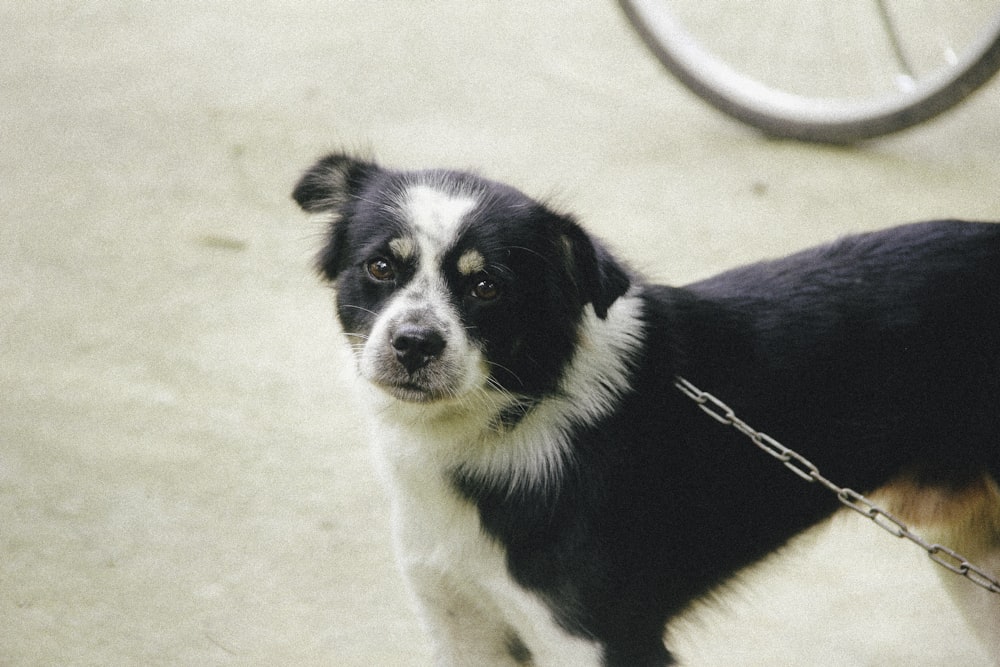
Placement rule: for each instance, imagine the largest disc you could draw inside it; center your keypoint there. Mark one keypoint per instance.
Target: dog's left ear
(328, 187)
(600, 279)
(328, 184)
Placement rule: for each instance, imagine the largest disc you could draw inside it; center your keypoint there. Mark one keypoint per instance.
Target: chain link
(801, 466)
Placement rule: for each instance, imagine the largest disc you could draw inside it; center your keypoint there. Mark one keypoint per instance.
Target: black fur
(875, 357)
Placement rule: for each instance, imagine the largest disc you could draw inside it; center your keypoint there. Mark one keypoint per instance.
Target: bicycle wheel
(824, 70)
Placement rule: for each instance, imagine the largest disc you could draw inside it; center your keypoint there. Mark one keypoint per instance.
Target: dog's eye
(380, 269)
(485, 289)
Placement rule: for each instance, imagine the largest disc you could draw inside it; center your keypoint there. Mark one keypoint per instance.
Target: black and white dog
(556, 499)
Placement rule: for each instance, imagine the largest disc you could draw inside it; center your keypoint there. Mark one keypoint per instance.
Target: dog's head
(449, 284)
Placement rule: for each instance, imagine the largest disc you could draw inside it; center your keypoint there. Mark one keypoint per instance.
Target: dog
(555, 498)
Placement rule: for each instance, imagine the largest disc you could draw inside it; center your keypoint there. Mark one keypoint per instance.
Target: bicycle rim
(793, 115)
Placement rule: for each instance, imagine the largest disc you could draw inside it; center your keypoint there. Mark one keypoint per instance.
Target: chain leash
(801, 466)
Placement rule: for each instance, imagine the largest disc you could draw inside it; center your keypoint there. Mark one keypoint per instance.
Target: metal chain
(802, 467)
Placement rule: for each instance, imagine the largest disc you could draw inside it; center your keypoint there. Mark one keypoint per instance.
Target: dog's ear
(599, 278)
(329, 187)
(329, 184)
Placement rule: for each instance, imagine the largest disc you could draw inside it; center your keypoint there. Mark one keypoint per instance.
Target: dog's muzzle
(417, 353)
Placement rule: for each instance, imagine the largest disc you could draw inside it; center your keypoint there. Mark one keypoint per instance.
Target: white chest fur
(474, 612)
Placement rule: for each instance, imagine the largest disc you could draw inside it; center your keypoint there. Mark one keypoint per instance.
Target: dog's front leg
(464, 631)
(454, 574)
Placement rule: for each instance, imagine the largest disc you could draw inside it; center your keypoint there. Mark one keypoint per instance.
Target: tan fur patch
(471, 262)
(966, 519)
(404, 247)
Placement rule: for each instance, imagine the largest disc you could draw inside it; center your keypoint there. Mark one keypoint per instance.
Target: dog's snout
(415, 345)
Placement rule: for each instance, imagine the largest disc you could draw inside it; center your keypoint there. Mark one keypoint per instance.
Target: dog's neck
(514, 441)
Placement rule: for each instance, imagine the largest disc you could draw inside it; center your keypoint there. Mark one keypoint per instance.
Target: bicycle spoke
(892, 34)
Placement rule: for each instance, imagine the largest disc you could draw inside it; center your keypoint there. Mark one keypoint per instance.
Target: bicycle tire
(786, 115)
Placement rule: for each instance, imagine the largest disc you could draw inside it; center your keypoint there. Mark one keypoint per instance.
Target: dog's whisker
(361, 308)
(507, 370)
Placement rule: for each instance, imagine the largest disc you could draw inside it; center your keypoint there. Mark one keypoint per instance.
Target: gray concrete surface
(183, 479)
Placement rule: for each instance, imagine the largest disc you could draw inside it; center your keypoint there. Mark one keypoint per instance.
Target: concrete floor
(183, 479)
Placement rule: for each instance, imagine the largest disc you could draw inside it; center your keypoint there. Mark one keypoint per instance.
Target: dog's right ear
(599, 278)
(329, 186)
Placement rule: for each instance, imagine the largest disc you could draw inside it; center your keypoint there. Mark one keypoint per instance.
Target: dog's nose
(416, 345)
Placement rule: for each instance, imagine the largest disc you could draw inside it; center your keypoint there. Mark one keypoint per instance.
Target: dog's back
(875, 337)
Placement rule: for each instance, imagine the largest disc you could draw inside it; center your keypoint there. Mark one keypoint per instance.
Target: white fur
(436, 215)
(979, 607)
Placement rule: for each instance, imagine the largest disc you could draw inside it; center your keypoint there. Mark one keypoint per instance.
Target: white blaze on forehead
(436, 215)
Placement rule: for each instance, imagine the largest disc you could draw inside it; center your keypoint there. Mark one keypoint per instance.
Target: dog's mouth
(411, 392)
